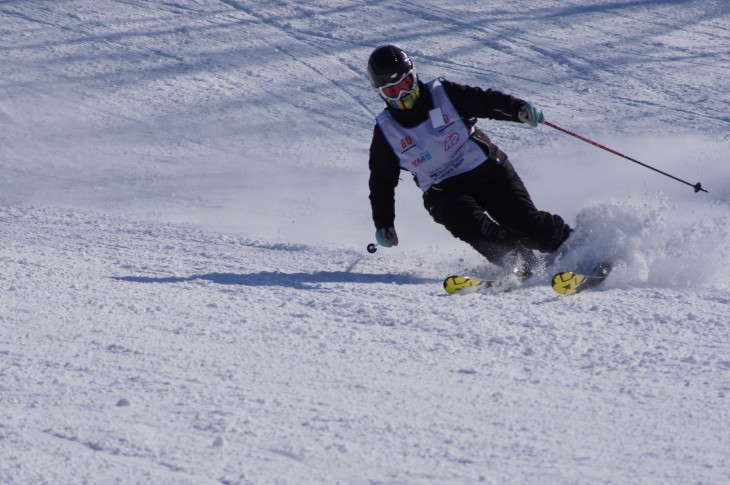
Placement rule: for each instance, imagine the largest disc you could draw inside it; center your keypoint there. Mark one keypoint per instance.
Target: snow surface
(185, 295)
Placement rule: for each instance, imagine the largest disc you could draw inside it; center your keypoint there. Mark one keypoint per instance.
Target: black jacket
(470, 102)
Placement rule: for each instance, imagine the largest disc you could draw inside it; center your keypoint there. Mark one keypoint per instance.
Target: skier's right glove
(387, 237)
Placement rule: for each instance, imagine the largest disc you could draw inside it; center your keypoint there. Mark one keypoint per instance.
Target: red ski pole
(697, 186)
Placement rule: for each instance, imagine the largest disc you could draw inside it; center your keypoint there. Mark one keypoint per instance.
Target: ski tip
(567, 282)
(456, 284)
(570, 283)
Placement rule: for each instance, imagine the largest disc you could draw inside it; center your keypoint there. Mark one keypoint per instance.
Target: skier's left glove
(387, 237)
(531, 114)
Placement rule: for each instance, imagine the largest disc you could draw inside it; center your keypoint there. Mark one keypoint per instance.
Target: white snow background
(185, 295)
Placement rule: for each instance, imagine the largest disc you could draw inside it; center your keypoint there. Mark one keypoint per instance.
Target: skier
(469, 185)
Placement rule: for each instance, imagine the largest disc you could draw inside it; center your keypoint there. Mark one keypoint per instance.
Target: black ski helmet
(387, 63)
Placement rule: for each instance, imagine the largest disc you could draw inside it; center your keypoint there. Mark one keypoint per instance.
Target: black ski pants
(490, 209)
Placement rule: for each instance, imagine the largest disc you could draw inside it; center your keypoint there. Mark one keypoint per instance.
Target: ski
(570, 283)
(463, 285)
(565, 282)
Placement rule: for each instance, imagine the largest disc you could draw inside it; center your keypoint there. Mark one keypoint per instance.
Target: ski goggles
(404, 84)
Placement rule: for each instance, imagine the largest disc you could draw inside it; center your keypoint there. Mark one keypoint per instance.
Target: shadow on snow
(291, 280)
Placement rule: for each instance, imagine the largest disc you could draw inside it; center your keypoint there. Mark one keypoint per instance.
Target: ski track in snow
(184, 291)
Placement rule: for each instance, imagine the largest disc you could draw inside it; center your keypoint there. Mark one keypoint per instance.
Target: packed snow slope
(185, 295)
